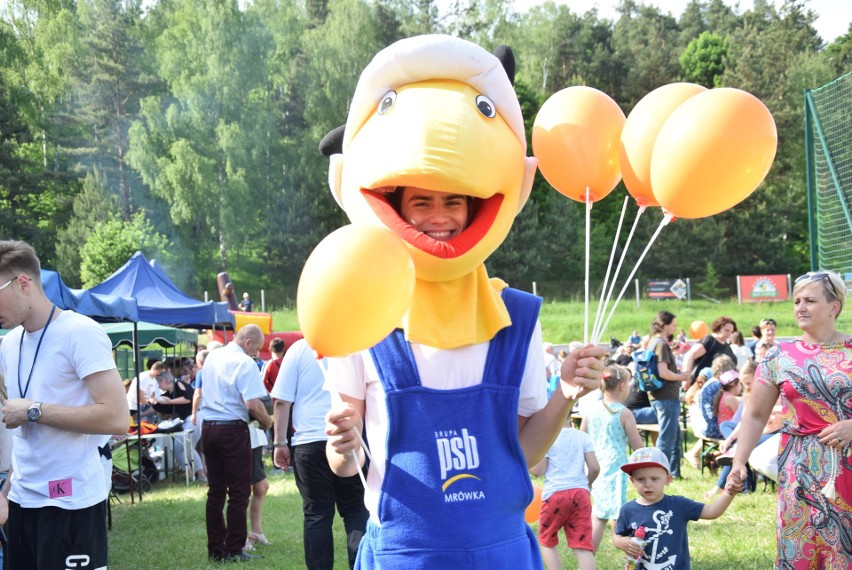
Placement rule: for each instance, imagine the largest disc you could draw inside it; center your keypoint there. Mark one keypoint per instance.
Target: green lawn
(167, 530)
(562, 322)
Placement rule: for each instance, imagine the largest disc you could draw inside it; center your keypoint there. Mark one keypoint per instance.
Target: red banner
(763, 288)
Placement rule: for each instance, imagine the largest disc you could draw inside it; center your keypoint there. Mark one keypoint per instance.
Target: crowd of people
(798, 391)
(793, 396)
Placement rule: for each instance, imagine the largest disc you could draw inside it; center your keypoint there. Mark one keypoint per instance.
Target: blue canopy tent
(160, 301)
(102, 308)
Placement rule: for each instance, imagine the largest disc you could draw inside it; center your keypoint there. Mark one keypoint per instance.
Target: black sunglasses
(819, 276)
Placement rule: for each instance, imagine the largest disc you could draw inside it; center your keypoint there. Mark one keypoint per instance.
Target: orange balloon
(575, 139)
(534, 508)
(712, 152)
(640, 131)
(354, 289)
(698, 329)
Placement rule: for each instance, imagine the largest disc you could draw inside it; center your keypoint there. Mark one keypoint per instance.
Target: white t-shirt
(566, 462)
(54, 467)
(231, 378)
(150, 388)
(357, 377)
(300, 381)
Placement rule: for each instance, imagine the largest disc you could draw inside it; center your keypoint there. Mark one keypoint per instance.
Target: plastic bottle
(637, 538)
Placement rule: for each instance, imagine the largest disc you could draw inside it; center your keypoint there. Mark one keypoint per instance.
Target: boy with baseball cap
(662, 516)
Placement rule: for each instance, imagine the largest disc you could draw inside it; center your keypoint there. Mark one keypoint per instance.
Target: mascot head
(434, 116)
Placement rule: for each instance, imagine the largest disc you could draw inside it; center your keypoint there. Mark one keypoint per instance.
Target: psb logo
(456, 453)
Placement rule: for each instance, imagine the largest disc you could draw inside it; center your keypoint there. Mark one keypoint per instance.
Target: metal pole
(137, 356)
(262, 301)
(636, 281)
(739, 291)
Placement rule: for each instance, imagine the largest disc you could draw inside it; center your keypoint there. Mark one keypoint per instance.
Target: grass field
(166, 531)
(563, 322)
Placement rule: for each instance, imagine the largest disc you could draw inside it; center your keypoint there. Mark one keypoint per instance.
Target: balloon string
(599, 333)
(609, 268)
(663, 223)
(335, 396)
(588, 228)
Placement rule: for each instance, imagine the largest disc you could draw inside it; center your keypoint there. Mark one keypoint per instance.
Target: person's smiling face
(439, 215)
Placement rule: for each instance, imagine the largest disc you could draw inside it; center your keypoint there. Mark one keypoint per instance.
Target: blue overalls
(456, 483)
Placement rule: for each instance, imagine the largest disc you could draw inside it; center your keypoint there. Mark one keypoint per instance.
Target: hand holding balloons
(354, 289)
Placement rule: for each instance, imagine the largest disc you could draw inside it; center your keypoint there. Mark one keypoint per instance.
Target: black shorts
(258, 474)
(50, 537)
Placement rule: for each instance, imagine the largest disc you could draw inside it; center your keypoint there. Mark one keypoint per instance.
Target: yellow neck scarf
(461, 312)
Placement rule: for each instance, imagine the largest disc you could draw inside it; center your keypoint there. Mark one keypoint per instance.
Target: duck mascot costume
(453, 402)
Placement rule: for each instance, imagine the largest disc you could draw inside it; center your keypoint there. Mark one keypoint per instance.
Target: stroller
(132, 465)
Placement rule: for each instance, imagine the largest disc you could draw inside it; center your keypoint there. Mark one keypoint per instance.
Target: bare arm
(539, 468)
(693, 354)
(628, 422)
(715, 509)
(108, 415)
(594, 468)
(760, 404)
(196, 402)
(343, 424)
(671, 376)
(258, 411)
(281, 414)
(581, 373)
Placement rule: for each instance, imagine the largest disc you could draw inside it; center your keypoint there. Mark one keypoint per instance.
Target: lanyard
(23, 391)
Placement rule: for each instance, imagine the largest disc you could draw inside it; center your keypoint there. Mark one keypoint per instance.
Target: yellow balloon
(640, 131)
(698, 330)
(575, 139)
(712, 152)
(354, 289)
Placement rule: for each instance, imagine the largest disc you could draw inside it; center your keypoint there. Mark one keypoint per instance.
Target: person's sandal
(258, 538)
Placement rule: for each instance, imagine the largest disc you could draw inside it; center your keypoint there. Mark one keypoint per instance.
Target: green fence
(828, 116)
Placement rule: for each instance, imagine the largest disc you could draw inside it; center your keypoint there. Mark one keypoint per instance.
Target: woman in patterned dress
(812, 375)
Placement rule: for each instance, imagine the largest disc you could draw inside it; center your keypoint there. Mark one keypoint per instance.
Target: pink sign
(60, 488)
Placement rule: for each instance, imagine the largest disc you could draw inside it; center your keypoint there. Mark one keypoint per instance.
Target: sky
(833, 16)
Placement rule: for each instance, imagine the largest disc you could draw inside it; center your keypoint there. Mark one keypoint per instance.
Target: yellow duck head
(438, 113)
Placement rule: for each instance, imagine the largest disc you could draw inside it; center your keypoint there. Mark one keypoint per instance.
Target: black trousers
(50, 537)
(321, 492)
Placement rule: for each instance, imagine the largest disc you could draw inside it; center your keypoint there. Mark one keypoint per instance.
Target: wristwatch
(34, 412)
(279, 444)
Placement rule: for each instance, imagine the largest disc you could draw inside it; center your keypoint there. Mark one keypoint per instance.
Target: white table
(186, 439)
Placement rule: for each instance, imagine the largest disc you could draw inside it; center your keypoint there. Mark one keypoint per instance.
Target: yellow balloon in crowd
(698, 330)
(533, 510)
(712, 152)
(576, 139)
(354, 289)
(640, 132)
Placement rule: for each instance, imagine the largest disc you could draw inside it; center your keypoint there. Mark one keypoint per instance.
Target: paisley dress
(609, 490)
(814, 531)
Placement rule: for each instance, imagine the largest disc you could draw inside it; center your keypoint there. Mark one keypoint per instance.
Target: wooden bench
(708, 444)
(652, 432)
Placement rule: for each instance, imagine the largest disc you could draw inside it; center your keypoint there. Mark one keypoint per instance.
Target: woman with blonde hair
(812, 376)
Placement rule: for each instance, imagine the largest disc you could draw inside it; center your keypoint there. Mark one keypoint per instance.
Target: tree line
(189, 128)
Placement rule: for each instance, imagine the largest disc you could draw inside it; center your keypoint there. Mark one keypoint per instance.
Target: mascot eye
(485, 106)
(386, 104)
